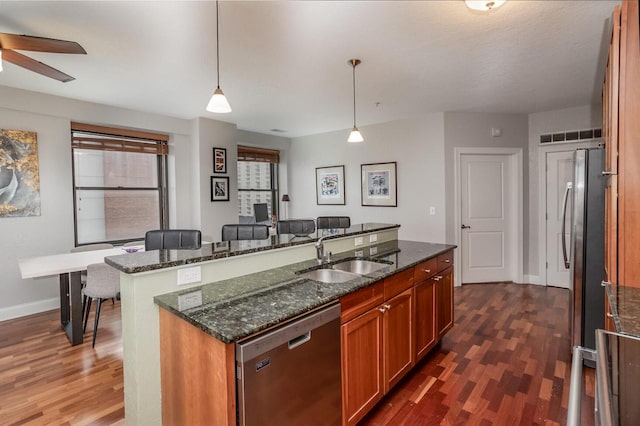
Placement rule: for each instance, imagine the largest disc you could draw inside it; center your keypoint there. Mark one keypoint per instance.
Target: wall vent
(570, 136)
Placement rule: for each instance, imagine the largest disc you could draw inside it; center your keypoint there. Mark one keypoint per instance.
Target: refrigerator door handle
(564, 223)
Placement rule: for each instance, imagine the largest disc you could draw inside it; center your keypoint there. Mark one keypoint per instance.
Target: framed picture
(379, 184)
(219, 188)
(330, 185)
(219, 160)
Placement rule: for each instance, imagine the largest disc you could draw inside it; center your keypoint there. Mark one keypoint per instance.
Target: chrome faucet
(320, 250)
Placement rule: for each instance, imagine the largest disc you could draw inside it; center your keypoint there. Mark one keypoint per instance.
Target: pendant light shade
(355, 135)
(484, 5)
(0, 60)
(218, 103)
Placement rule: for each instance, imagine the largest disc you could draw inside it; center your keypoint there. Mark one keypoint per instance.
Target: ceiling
(284, 65)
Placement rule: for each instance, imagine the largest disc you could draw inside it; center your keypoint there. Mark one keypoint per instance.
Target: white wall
(417, 145)
(576, 118)
(52, 232)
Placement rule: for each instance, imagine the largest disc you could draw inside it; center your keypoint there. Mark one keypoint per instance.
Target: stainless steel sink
(360, 267)
(329, 276)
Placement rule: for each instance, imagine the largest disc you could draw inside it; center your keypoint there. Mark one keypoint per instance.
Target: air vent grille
(571, 136)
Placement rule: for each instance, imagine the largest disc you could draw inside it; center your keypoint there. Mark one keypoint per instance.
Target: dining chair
(298, 227)
(103, 283)
(333, 222)
(89, 247)
(172, 239)
(244, 232)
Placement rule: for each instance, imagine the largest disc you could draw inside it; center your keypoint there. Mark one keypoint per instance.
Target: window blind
(261, 155)
(89, 136)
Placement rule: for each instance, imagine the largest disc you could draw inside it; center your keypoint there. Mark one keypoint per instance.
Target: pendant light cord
(353, 63)
(218, 43)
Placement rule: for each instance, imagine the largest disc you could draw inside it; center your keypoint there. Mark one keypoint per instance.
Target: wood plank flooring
(505, 362)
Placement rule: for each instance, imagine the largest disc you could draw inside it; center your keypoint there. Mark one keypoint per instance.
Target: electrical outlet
(189, 275)
(432, 210)
(373, 250)
(359, 253)
(373, 238)
(358, 241)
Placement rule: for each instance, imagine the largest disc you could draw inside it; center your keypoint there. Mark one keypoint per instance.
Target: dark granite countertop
(625, 307)
(159, 259)
(232, 309)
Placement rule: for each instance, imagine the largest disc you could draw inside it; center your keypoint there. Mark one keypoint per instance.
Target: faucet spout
(320, 250)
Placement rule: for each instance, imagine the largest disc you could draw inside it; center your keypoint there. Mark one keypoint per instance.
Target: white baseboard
(532, 279)
(29, 308)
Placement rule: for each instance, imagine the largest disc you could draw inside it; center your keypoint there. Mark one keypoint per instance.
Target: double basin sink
(343, 271)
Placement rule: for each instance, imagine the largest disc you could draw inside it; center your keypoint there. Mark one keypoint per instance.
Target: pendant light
(355, 135)
(218, 102)
(0, 60)
(484, 5)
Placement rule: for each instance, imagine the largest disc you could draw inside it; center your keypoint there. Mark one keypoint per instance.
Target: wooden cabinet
(425, 298)
(444, 298)
(388, 326)
(362, 368)
(398, 338)
(621, 133)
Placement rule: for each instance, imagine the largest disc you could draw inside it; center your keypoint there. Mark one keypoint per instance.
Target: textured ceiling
(284, 64)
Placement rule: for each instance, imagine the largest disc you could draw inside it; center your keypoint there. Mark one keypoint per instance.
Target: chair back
(103, 281)
(171, 239)
(244, 232)
(299, 227)
(89, 247)
(333, 222)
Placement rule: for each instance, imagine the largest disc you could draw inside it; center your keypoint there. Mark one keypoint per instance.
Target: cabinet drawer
(398, 283)
(426, 269)
(361, 301)
(445, 260)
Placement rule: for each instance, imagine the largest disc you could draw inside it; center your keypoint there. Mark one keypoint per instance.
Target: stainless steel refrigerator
(586, 249)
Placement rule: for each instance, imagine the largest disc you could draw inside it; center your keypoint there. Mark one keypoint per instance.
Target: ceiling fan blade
(35, 66)
(39, 44)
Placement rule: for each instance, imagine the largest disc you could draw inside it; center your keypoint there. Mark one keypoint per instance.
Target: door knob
(465, 227)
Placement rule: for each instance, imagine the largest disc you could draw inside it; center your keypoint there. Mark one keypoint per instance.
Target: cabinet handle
(447, 261)
(609, 315)
(426, 270)
(383, 310)
(437, 278)
(605, 283)
(608, 173)
(387, 307)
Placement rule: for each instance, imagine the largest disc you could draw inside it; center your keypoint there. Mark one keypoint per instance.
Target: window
(257, 182)
(119, 183)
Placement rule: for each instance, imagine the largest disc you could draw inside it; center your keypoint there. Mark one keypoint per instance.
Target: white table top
(43, 266)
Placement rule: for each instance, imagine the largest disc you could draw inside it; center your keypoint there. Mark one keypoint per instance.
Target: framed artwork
(19, 174)
(219, 160)
(330, 185)
(219, 188)
(379, 184)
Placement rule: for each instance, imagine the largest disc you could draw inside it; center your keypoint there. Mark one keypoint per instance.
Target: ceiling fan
(9, 43)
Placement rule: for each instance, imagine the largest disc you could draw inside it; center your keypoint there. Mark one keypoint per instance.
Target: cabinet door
(425, 310)
(444, 297)
(398, 337)
(362, 374)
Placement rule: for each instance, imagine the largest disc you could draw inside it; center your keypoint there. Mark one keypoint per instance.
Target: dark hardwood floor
(505, 362)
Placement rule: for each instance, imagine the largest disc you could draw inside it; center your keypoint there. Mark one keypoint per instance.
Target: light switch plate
(189, 275)
(359, 253)
(432, 210)
(373, 250)
(358, 241)
(373, 238)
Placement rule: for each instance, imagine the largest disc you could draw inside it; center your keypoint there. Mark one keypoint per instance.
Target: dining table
(69, 267)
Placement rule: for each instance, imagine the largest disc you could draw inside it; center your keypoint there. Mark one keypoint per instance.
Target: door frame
(542, 198)
(516, 188)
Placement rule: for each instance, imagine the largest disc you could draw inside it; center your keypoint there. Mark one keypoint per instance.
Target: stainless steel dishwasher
(291, 375)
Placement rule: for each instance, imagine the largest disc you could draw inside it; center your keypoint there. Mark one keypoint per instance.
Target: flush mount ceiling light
(355, 135)
(484, 5)
(218, 102)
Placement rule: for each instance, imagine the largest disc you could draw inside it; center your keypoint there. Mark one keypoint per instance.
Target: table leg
(71, 306)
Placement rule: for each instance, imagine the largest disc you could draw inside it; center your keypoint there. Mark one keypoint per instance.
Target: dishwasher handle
(300, 340)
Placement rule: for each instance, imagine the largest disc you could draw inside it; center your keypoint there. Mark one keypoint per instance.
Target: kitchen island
(202, 324)
(149, 274)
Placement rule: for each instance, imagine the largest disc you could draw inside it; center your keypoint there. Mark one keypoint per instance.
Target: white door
(559, 166)
(487, 185)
